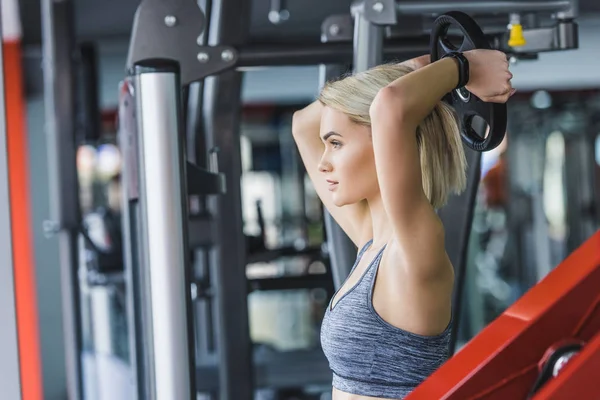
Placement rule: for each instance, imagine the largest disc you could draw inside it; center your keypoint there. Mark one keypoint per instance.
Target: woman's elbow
(389, 101)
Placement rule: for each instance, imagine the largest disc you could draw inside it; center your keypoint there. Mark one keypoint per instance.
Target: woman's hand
(489, 77)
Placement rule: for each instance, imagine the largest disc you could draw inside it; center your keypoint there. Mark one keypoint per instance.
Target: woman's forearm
(417, 93)
(308, 120)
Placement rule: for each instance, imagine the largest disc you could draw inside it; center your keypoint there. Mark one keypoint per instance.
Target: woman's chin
(339, 201)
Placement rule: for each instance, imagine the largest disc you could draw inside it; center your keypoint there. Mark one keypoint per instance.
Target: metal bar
(290, 282)
(457, 218)
(229, 25)
(59, 88)
(342, 251)
(292, 185)
(579, 187)
(10, 379)
(200, 239)
(368, 43)
(58, 47)
(135, 279)
(228, 263)
(258, 55)
(367, 53)
(90, 96)
(163, 199)
(196, 152)
(288, 251)
(419, 8)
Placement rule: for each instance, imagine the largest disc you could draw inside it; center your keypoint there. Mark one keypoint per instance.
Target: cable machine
(183, 63)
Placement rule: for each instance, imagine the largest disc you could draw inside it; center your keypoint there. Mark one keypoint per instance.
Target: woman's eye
(336, 144)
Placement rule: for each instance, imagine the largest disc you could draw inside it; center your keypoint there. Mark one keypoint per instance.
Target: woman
(383, 153)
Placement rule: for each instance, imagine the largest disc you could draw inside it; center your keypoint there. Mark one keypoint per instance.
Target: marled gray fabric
(369, 356)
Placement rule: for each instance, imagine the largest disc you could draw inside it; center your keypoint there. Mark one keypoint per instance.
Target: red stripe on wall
(22, 241)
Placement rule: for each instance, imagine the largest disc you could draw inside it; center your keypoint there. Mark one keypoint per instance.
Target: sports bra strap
(360, 254)
(364, 248)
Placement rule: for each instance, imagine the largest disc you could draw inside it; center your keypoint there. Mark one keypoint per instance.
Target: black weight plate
(466, 104)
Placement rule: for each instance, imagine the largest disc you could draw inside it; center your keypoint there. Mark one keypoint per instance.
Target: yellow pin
(516, 38)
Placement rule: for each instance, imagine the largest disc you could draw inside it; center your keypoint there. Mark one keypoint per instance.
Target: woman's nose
(324, 165)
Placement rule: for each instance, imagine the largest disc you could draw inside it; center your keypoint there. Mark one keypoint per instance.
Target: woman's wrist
(452, 68)
(473, 62)
(463, 68)
(420, 91)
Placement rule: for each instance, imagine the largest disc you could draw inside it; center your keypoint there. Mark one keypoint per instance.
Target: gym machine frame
(159, 68)
(164, 57)
(58, 47)
(157, 375)
(59, 95)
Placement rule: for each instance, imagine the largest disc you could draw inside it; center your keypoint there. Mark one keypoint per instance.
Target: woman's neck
(382, 229)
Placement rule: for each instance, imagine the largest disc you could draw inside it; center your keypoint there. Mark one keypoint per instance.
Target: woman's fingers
(501, 97)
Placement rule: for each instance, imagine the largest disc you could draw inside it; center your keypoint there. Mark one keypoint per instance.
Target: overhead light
(541, 100)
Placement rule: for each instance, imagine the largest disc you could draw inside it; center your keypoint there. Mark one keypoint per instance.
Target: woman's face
(348, 163)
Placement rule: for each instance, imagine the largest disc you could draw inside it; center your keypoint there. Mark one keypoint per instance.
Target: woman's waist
(338, 394)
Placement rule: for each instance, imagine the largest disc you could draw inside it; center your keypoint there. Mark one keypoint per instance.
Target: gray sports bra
(367, 355)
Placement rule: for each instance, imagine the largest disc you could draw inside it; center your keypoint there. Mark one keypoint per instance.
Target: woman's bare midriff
(339, 395)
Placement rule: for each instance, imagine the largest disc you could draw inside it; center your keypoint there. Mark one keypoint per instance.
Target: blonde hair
(442, 156)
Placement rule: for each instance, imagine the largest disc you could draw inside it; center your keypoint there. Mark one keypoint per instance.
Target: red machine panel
(504, 361)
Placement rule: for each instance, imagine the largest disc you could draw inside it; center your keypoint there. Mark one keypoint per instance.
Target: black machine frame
(180, 45)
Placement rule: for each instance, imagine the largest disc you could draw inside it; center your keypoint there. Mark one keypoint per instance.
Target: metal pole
(196, 153)
(163, 223)
(229, 25)
(259, 55)
(137, 302)
(368, 43)
(420, 8)
(342, 251)
(58, 42)
(90, 99)
(457, 218)
(579, 187)
(10, 379)
(368, 52)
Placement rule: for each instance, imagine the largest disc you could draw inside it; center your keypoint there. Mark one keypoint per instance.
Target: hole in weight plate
(453, 39)
(480, 126)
